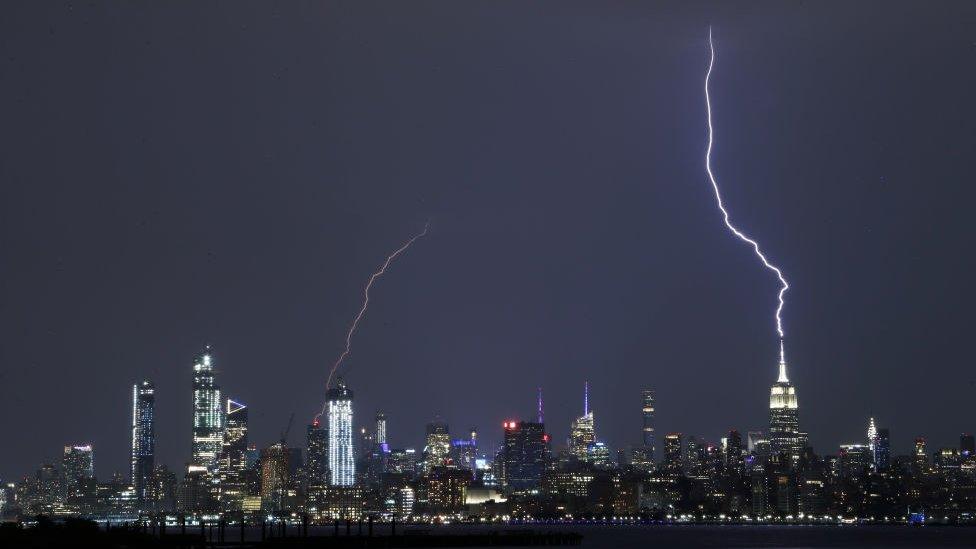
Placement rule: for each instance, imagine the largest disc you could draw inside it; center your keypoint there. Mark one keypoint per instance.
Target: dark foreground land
(86, 534)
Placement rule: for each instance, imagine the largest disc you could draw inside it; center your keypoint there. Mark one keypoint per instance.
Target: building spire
(782, 364)
(586, 398)
(540, 405)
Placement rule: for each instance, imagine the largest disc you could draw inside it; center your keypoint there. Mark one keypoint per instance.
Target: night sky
(178, 174)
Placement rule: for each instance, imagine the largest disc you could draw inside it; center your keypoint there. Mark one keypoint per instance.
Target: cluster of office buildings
(345, 473)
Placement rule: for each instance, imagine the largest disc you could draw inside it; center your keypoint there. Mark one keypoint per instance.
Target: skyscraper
(854, 460)
(872, 435)
(733, 453)
(208, 417)
(143, 458)
(77, 466)
(234, 444)
(525, 453)
(920, 459)
(437, 449)
(317, 447)
(784, 426)
(232, 461)
(582, 432)
(380, 428)
(672, 453)
(464, 451)
(342, 461)
(647, 414)
(882, 450)
(402, 461)
(275, 475)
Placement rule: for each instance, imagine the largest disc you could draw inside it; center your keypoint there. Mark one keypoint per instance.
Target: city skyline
(776, 477)
(196, 177)
(782, 431)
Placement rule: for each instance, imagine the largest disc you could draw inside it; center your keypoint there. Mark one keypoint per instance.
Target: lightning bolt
(721, 206)
(362, 310)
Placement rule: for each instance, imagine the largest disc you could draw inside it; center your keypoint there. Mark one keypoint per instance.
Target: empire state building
(784, 425)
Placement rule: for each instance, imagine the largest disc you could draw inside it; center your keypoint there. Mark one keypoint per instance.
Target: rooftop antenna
(586, 398)
(540, 405)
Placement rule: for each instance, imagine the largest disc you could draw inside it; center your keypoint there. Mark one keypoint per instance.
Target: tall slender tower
(342, 462)
(541, 417)
(647, 414)
(380, 428)
(582, 432)
(208, 417)
(784, 426)
(872, 438)
(143, 457)
(586, 398)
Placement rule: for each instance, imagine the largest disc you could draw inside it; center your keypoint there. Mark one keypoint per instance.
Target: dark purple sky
(176, 174)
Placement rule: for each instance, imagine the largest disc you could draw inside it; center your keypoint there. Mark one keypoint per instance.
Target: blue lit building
(465, 450)
(882, 450)
(143, 458)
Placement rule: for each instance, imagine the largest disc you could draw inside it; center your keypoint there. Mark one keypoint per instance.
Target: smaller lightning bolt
(362, 310)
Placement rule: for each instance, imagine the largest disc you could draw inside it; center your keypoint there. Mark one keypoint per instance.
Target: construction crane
(284, 434)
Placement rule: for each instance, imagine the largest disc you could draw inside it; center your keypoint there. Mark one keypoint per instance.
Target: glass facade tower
(208, 416)
(143, 458)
